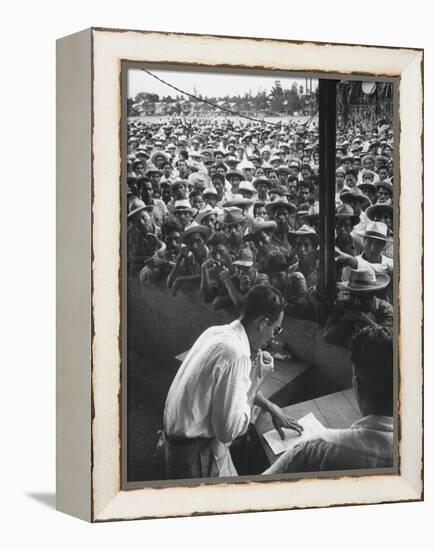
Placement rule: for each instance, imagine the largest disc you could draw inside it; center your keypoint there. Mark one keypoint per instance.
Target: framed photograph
(239, 274)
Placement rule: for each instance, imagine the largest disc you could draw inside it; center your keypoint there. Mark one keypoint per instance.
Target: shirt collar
(375, 422)
(240, 331)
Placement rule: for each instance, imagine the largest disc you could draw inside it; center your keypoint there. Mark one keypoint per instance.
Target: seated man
(360, 308)
(368, 443)
(211, 285)
(158, 267)
(188, 264)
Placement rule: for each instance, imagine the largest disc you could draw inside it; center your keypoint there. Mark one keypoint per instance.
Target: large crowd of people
(224, 205)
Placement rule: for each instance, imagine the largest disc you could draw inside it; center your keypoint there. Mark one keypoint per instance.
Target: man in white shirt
(210, 401)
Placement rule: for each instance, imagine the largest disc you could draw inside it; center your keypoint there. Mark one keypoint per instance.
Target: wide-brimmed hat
(202, 229)
(179, 182)
(356, 194)
(276, 260)
(259, 224)
(233, 215)
(232, 173)
(367, 184)
(375, 230)
(247, 186)
(157, 154)
(365, 281)
(257, 181)
(210, 190)
(311, 215)
(238, 200)
(136, 206)
(387, 185)
(204, 212)
(377, 208)
(245, 259)
(283, 168)
(184, 205)
(345, 212)
(304, 231)
(280, 202)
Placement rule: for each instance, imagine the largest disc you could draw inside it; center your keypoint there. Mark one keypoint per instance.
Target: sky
(215, 84)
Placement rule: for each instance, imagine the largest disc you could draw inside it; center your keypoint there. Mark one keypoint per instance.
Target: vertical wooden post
(327, 157)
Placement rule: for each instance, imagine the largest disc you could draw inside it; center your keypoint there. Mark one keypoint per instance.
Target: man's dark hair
(221, 165)
(169, 227)
(141, 180)
(372, 357)
(351, 172)
(183, 155)
(218, 238)
(195, 193)
(263, 301)
(219, 177)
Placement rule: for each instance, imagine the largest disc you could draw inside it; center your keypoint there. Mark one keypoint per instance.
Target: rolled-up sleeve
(230, 410)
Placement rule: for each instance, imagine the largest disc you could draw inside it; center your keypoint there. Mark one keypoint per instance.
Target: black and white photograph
(258, 265)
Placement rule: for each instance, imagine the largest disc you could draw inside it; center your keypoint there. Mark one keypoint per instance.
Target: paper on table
(311, 425)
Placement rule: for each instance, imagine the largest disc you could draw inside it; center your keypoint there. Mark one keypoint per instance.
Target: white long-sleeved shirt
(208, 397)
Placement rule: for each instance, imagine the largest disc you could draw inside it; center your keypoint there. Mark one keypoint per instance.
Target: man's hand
(282, 420)
(225, 275)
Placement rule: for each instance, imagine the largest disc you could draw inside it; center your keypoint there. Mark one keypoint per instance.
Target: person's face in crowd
(305, 194)
(166, 193)
(159, 161)
(211, 168)
(294, 171)
(221, 171)
(262, 189)
(182, 168)
(261, 212)
(197, 202)
(304, 246)
(350, 180)
(167, 170)
(255, 163)
(183, 217)
(262, 239)
(371, 193)
(179, 192)
(281, 215)
(235, 183)
(172, 240)
(210, 221)
(362, 302)
(282, 176)
(316, 157)
(144, 222)
(266, 155)
(245, 275)
(390, 170)
(369, 164)
(300, 153)
(355, 205)
(240, 153)
(386, 218)
(305, 174)
(272, 176)
(340, 179)
(147, 192)
(387, 151)
(246, 193)
(259, 172)
(195, 243)
(383, 173)
(235, 233)
(218, 157)
(357, 164)
(292, 190)
(368, 176)
(248, 174)
(220, 253)
(384, 195)
(373, 248)
(154, 177)
(343, 228)
(139, 168)
(210, 199)
(305, 159)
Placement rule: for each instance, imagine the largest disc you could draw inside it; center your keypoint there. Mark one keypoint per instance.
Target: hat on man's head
(310, 215)
(277, 260)
(204, 212)
(136, 206)
(245, 259)
(378, 208)
(355, 193)
(304, 231)
(233, 215)
(157, 154)
(202, 229)
(238, 200)
(280, 202)
(232, 173)
(247, 186)
(345, 212)
(184, 205)
(375, 230)
(259, 224)
(386, 185)
(259, 180)
(210, 190)
(365, 280)
(283, 169)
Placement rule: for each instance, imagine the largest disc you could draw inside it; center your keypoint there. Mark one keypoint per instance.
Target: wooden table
(336, 410)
